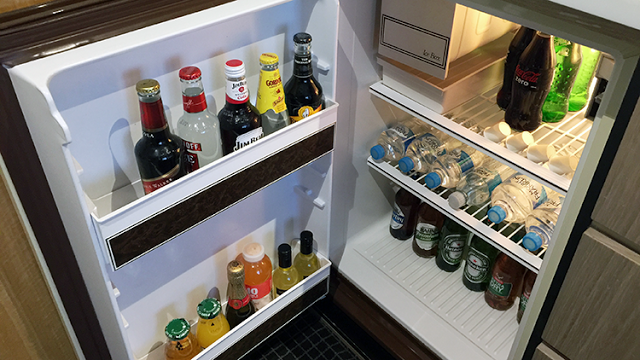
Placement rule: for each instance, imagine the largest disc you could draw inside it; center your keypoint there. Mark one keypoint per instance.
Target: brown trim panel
(173, 221)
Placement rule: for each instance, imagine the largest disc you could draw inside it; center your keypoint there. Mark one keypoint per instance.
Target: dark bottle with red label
(302, 92)
(505, 283)
(516, 47)
(239, 305)
(159, 153)
(529, 280)
(403, 218)
(531, 83)
(240, 122)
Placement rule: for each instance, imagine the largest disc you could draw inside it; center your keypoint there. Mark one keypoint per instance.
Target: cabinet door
(544, 352)
(596, 315)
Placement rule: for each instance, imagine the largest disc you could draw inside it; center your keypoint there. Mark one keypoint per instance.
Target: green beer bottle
(477, 269)
(452, 242)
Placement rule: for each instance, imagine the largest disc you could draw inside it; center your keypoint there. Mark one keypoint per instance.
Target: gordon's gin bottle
(270, 99)
(159, 153)
(198, 128)
(531, 83)
(240, 123)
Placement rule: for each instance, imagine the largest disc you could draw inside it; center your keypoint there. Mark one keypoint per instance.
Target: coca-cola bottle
(531, 83)
(159, 153)
(240, 122)
(520, 41)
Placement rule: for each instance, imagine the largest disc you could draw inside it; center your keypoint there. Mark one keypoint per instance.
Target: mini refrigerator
(138, 261)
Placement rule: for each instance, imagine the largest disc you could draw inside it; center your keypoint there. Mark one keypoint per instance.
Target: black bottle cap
(306, 242)
(302, 38)
(284, 256)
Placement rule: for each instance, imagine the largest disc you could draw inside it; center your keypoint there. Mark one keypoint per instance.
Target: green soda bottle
(580, 92)
(477, 269)
(568, 59)
(451, 246)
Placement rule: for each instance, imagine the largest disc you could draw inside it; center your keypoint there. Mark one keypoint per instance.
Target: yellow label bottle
(270, 98)
(212, 325)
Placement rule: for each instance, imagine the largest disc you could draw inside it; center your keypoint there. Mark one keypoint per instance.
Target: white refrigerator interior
(82, 111)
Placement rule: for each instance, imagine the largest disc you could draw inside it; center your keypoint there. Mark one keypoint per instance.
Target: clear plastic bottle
(476, 187)
(515, 199)
(257, 274)
(392, 143)
(424, 150)
(540, 224)
(449, 169)
(306, 261)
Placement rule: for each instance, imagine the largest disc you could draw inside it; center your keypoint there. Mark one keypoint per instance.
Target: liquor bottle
(306, 262)
(240, 123)
(529, 280)
(257, 274)
(427, 233)
(449, 169)
(159, 153)
(286, 275)
(182, 344)
(451, 247)
(239, 305)
(504, 285)
(403, 218)
(477, 269)
(198, 128)
(393, 143)
(515, 199)
(568, 59)
(212, 324)
(302, 92)
(270, 99)
(520, 42)
(580, 92)
(531, 83)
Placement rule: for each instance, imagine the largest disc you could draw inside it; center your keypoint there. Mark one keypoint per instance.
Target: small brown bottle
(505, 283)
(403, 219)
(529, 280)
(427, 233)
(239, 306)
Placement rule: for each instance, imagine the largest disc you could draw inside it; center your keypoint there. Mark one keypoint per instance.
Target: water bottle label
(434, 143)
(405, 133)
(397, 218)
(452, 247)
(465, 162)
(427, 236)
(493, 182)
(498, 287)
(491, 177)
(538, 192)
(478, 266)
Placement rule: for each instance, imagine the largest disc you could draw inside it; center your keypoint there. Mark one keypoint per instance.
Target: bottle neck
(302, 65)
(193, 99)
(237, 92)
(152, 114)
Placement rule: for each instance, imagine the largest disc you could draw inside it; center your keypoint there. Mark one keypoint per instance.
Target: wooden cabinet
(544, 352)
(596, 315)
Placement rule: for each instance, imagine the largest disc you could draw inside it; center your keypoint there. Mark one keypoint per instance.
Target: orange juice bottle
(257, 274)
(212, 324)
(182, 345)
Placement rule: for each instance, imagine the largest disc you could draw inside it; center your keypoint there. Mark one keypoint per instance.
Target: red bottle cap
(190, 73)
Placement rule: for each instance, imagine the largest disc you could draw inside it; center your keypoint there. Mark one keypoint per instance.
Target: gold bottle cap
(147, 86)
(235, 271)
(268, 59)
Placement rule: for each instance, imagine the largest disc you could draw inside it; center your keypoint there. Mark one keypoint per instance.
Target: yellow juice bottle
(182, 344)
(212, 324)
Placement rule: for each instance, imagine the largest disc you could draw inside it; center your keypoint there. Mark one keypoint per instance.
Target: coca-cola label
(237, 92)
(526, 78)
(151, 185)
(248, 138)
(194, 104)
(239, 303)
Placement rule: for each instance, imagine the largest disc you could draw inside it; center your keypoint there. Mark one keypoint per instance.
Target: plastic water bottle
(448, 169)
(424, 150)
(476, 187)
(515, 199)
(393, 142)
(540, 224)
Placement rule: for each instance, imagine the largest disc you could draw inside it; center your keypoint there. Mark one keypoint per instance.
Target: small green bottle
(568, 59)
(580, 92)
(452, 241)
(477, 269)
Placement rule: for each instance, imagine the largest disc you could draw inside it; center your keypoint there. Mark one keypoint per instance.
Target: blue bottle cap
(405, 164)
(377, 152)
(496, 214)
(432, 180)
(532, 241)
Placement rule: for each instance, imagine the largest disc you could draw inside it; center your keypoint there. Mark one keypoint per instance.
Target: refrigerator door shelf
(148, 222)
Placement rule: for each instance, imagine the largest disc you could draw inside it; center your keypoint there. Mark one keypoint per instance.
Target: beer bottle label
(151, 185)
(524, 299)
(452, 247)
(477, 268)
(248, 138)
(397, 218)
(427, 236)
(192, 157)
(303, 112)
(499, 287)
(270, 92)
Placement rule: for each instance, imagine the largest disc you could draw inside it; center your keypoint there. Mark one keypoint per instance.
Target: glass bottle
(454, 238)
(580, 92)
(306, 262)
(240, 123)
(302, 92)
(403, 218)
(477, 269)
(198, 128)
(568, 59)
(239, 304)
(159, 153)
(212, 324)
(520, 42)
(528, 282)
(504, 285)
(182, 345)
(286, 275)
(257, 274)
(270, 99)
(427, 234)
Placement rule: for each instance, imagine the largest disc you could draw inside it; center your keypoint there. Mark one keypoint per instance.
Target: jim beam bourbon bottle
(240, 122)
(159, 153)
